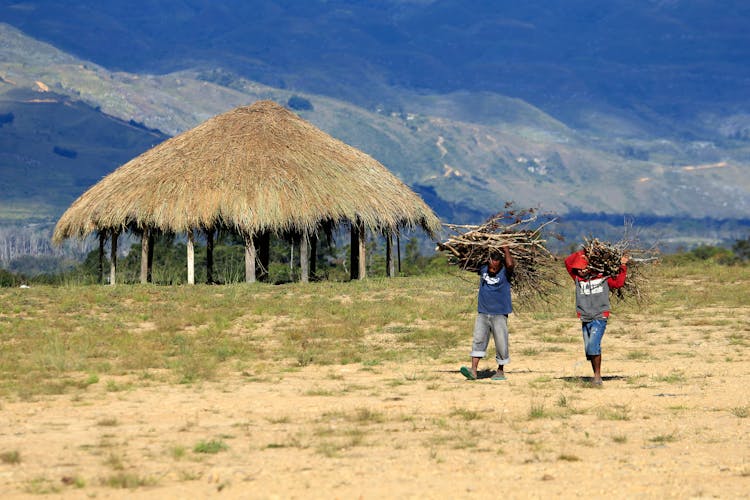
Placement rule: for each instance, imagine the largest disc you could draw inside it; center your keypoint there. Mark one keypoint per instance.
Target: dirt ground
(671, 420)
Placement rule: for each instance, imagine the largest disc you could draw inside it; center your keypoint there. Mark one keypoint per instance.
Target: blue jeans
(593, 331)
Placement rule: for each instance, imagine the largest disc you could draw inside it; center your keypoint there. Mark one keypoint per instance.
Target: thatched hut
(258, 170)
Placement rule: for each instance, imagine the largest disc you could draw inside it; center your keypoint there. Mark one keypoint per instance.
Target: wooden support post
(190, 257)
(209, 256)
(313, 254)
(102, 240)
(354, 252)
(398, 251)
(145, 241)
(304, 257)
(150, 257)
(113, 258)
(390, 262)
(362, 252)
(250, 256)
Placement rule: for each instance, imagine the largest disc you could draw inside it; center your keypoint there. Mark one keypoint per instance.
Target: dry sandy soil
(671, 420)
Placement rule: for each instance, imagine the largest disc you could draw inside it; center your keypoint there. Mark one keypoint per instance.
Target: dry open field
(352, 390)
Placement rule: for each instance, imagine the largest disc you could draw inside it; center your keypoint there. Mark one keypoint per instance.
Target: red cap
(579, 262)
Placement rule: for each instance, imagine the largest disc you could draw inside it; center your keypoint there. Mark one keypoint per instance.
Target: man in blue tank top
(493, 307)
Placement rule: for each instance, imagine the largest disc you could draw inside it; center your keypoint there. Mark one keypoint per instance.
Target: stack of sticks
(605, 258)
(470, 246)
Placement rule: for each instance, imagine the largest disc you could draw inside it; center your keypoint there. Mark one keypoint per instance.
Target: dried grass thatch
(256, 168)
(521, 231)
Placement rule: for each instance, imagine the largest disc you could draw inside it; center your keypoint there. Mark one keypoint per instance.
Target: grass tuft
(537, 411)
(213, 446)
(740, 411)
(10, 457)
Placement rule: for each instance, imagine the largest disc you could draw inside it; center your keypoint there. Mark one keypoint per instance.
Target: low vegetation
(61, 339)
(335, 372)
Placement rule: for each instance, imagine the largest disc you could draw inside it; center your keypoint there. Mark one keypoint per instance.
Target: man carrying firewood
(493, 307)
(592, 303)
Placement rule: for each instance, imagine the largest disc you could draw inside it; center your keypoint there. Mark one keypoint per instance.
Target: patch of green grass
(177, 452)
(615, 412)
(637, 355)
(129, 481)
(738, 339)
(560, 339)
(567, 457)
(113, 386)
(41, 486)
(740, 411)
(213, 446)
(74, 481)
(675, 377)
(620, 438)
(339, 440)
(10, 457)
(367, 416)
(115, 462)
(536, 411)
(319, 391)
(466, 414)
(540, 381)
(185, 475)
(108, 422)
(664, 438)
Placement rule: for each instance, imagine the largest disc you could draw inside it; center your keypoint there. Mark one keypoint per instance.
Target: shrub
(8, 279)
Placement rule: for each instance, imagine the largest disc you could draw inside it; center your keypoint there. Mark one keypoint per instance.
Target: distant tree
(741, 249)
(34, 265)
(8, 279)
(299, 103)
(717, 254)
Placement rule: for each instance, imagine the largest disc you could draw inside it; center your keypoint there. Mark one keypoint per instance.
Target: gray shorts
(497, 325)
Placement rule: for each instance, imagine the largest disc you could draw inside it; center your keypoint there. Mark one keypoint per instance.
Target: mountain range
(572, 106)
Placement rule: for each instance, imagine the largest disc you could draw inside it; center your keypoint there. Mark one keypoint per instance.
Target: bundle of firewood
(469, 248)
(606, 258)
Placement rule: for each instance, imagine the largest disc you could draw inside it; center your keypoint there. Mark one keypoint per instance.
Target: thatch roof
(255, 168)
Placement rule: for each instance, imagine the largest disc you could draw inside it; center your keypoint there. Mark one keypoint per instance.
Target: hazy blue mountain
(581, 106)
(653, 58)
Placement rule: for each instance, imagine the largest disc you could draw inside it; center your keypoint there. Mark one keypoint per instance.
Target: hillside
(652, 60)
(467, 152)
